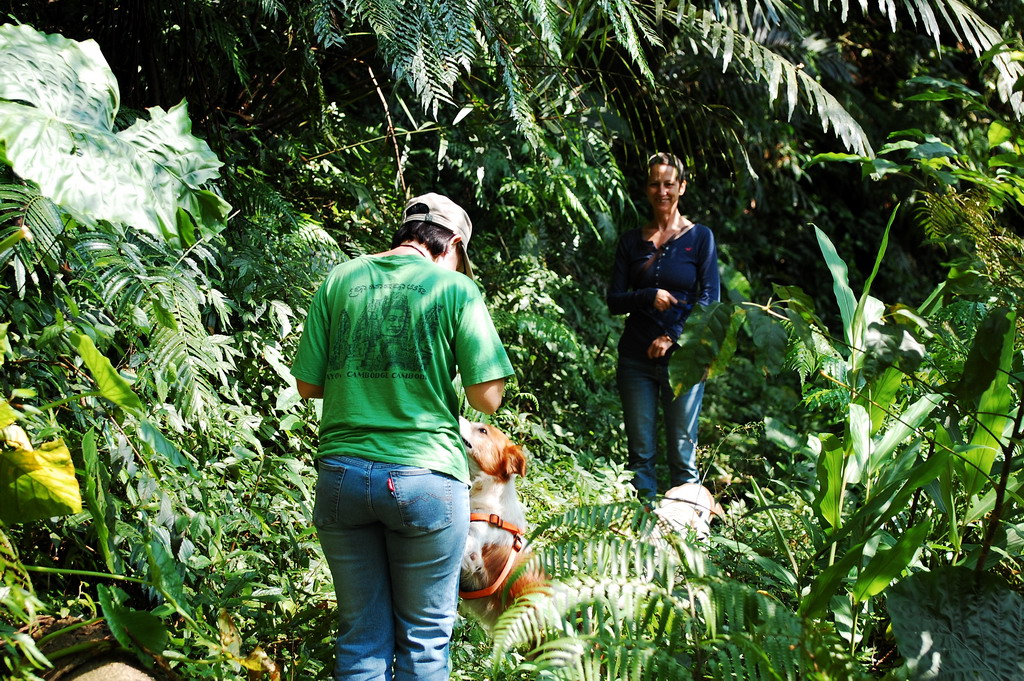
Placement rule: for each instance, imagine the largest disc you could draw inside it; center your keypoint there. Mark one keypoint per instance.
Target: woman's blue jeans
(643, 387)
(393, 537)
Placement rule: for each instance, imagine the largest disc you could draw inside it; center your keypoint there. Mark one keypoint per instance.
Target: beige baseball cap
(442, 211)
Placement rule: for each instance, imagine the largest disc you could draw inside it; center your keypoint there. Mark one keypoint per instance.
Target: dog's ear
(515, 461)
(718, 510)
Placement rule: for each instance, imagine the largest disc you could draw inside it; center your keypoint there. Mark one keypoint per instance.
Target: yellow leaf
(36, 483)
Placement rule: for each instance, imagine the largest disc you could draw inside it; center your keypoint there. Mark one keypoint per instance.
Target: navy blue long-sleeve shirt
(686, 267)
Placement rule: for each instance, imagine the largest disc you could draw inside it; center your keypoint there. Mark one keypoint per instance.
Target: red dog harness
(517, 546)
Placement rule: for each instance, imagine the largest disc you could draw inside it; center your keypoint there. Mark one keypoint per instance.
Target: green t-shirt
(385, 337)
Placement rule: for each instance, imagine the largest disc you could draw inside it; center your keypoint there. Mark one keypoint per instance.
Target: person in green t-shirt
(385, 337)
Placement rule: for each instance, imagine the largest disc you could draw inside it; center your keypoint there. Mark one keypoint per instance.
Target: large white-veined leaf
(58, 100)
(954, 623)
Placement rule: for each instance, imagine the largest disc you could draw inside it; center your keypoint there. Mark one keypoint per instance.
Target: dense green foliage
(171, 195)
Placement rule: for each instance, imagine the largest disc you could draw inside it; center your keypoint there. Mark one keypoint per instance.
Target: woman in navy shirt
(661, 271)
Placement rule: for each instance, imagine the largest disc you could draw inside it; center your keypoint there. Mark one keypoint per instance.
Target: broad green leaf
(836, 157)
(800, 312)
(728, 347)
(986, 501)
(166, 576)
(902, 428)
(136, 630)
(736, 286)
(706, 330)
(111, 384)
(961, 91)
(828, 499)
(152, 436)
(67, 79)
(5, 344)
(931, 97)
(37, 483)
(879, 394)
(840, 285)
(95, 493)
(998, 133)
(56, 129)
(995, 336)
(889, 563)
(798, 301)
(828, 582)
(955, 623)
(858, 442)
(891, 499)
(770, 340)
(881, 167)
(932, 150)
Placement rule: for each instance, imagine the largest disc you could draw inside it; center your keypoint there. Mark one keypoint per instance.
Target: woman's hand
(663, 300)
(658, 347)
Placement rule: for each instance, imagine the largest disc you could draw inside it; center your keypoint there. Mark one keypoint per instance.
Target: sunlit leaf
(111, 384)
(829, 471)
(707, 329)
(990, 357)
(57, 128)
(840, 286)
(998, 133)
(37, 483)
(95, 493)
(230, 639)
(889, 563)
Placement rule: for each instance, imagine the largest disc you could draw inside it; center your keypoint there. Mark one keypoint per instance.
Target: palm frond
(779, 75)
(970, 28)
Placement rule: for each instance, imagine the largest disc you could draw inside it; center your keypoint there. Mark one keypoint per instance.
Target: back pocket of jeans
(329, 479)
(424, 499)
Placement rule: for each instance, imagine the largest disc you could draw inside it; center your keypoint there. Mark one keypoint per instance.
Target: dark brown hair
(663, 158)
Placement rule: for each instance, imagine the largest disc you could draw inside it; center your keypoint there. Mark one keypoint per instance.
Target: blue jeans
(643, 386)
(393, 537)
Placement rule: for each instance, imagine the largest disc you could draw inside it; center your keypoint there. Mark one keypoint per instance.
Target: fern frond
(728, 44)
(618, 608)
(970, 28)
(325, 13)
(23, 206)
(161, 295)
(615, 558)
(517, 101)
(629, 25)
(623, 517)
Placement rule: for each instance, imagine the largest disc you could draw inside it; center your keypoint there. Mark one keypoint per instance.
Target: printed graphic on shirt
(386, 339)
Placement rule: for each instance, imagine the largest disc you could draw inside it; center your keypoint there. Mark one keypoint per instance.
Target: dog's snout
(467, 443)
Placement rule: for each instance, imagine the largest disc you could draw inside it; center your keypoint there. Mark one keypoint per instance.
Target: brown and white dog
(496, 546)
(690, 506)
